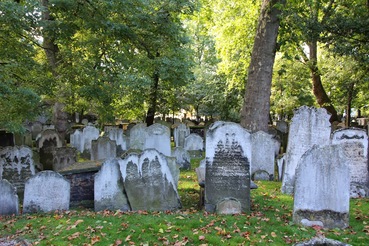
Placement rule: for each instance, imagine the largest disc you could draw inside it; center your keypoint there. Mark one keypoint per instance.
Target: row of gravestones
(146, 181)
(323, 169)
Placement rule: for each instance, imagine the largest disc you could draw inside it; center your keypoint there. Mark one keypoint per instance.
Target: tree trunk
(350, 93)
(318, 89)
(256, 106)
(153, 100)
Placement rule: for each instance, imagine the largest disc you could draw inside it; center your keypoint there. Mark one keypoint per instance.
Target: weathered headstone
(137, 136)
(264, 150)
(103, 148)
(16, 165)
(47, 141)
(158, 137)
(36, 128)
(109, 189)
(63, 157)
(89, 133)
(9, 203)
(309, 126)
(322, 188)
(180, 133)
(321, 241)
(357, 152)
(76, 140)
(121, 140)
(46, 191)
(182, 158)
(194, 144)
(148, 182)
(228, 158)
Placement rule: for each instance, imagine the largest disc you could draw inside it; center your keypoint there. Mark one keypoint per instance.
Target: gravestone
(46, 191)
(76, 140)
(47, 141)
(194, 144)
(109, 189)
(321, 241)
(63, 157)
(23, 139)
(36, 128)
(227, 172)
(180, 133)
(158, 137)
(9, 203)
(281, 160)
(148, 182)
(357, 152)
(322, 189)
(182, 158)
(137, 136)
(309, 126)
(89, 133)
(121, 140)
(16, 165)
(265, 149)
(103, 148)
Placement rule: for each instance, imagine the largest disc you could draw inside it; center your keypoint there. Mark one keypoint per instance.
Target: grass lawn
(269, 222)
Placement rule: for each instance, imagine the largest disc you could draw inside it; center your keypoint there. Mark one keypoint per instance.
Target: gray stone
(357, 151)
(46, 191)
(137, 136)
(180, 133)
(89, 133)
(228, 158)
(103, 148)
(322, 187)
(63, 158)
(36, 128)
(148, 182)
(76, 140)
(229, 206)
(264, 150)
(310, 126)
(49, 138)
(16, 165)
(121, 140)
(194, 144)
(9, 203)
(158, 137)
(109, 189)
(322, 241)
(183, 159)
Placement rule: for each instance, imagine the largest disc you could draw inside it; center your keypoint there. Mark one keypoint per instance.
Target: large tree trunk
(318, 89)
(350, 94)
(256, 106)
(153, 97)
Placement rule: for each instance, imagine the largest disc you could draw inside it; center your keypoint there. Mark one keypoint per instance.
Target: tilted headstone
(180, 133)
(137, 136)
(148, 182)
(46, 191)
(322, 189)
(63, 157)
(47, 141)
(309, 126)
(121, 140)
(228, 158)
(183, 159)
(194, 144)
(357, 152)
(9, 203)
(264, 150)
(158, 137)
(103, 148)
(16, 165)
(109, 189)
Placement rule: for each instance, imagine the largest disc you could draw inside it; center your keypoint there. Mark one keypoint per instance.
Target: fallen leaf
(95, 239)
(73, 236)
(118, 242)
(273, 234)
(201, 238)
(128, 238)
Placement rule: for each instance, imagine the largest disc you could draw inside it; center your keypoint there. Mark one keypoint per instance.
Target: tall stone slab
(76, 140)
(46, 191)
(137, 136)
(158, 137)
(16, 165)
(103, 148)
(194, 144)
(47, 141)
(180, 133)
(89, 133)
(227, 174)
(9, 203)
(117, 134)
(183, 159)
(109, 189)
(310, 126)
(322, 189)
(265, 148)
(148, 182)
(357, 152)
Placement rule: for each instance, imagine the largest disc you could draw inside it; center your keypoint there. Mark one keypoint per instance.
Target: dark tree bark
(350, 96)
(153, 97)
(256, 106)
(318, 89)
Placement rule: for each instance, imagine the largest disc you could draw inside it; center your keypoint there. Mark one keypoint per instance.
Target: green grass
(269, 222)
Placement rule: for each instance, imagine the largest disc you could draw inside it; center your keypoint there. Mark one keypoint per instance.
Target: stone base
(329, 218)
